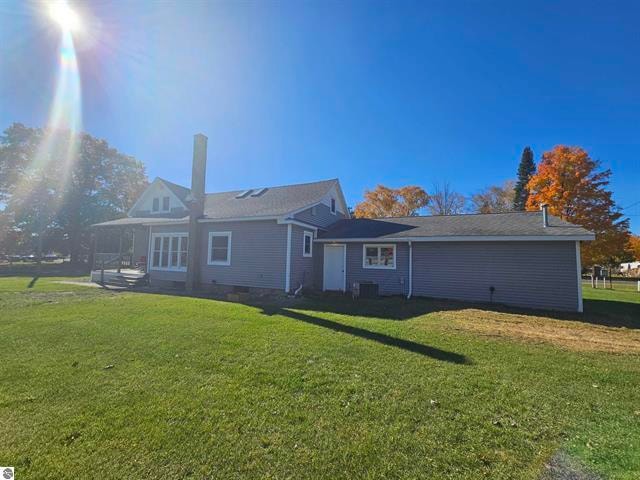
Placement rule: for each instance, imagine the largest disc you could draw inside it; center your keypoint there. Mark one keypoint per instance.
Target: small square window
(379, 256)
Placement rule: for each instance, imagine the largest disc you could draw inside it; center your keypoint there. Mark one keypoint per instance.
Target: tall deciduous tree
(494, 199)
(634, 247)
(445, 201)
(526, 170)
(391, 202)
(574, 188)
(56, 184)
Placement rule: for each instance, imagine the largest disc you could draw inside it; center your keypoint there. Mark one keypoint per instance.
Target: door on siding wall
(333, 268)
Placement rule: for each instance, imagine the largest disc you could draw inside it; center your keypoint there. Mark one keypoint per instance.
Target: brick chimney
(196, 209)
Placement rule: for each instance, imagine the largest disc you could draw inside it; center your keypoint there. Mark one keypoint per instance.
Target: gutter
(465, 238)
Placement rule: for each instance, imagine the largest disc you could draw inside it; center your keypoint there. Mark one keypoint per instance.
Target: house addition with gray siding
(301, 237)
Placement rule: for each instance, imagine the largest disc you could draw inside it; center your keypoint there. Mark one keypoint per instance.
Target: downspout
(287, 278)
(579, 273)
(410, 270)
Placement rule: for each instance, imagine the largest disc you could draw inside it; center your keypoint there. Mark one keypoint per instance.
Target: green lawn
(98, 384)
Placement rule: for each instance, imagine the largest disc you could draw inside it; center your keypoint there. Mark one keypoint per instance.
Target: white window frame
(219, 262)
(152, 246)
(153, 201)
(306, 234)
(332, 206)
(379, 246)
(162, 209)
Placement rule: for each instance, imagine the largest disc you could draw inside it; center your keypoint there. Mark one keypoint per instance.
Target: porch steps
(129, 279)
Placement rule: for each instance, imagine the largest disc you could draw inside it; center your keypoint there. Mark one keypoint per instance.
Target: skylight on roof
(259, 192)
(244, 194)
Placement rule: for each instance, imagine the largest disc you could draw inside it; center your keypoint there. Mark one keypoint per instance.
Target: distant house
(628, 266)
(286, 237)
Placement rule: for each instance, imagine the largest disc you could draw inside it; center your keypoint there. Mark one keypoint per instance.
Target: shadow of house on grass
(384, 339)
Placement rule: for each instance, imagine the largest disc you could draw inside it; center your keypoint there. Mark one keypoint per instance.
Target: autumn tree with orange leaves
(633, 247)
(571, 184)
(391, 202)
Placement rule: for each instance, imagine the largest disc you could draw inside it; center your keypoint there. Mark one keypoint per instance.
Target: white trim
(237, 219)
(149, 252)
(344, 265)
(290, 221)
(218, 262)
(306, 234)
(152, 247)
(379, 246)
(410, 270)
(171, 194)
(468, 238)
(287, 279)
(579, 274)
(333, 206)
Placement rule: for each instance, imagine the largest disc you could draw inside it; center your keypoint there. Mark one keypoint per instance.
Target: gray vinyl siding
(390, 282)
(162, 277)
(140, 243)
(301, 266)
(258, 255)
(525, 274)
(323, 217)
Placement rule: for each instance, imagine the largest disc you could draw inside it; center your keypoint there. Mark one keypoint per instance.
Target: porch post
(121, 230)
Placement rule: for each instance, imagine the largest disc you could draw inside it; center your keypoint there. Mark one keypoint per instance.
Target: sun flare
(64, 16)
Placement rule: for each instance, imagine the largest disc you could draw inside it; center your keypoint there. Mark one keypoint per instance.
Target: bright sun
(62, 14)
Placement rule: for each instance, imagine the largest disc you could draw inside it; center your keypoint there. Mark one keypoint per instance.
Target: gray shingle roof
(516, 224)
(275, 201)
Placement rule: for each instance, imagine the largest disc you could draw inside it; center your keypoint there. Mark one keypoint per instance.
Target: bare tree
(495, 199)
(445, 201)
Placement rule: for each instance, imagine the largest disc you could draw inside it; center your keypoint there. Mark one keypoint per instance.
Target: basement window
(379, 256)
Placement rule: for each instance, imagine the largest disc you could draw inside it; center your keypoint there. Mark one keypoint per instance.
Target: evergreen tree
(526, 170)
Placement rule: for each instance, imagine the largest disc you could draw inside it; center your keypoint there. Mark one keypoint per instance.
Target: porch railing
(110, 261)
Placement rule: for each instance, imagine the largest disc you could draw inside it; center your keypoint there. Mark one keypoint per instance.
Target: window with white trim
(333, 206)
(169, 251)
(307, 244)
(219, 248)
(379, 256)
(165, 204)
(156, 205)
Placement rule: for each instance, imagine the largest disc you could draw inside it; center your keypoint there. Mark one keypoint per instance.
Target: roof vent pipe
(545, 215)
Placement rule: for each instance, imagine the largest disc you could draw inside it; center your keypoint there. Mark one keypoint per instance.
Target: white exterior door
(334, 267)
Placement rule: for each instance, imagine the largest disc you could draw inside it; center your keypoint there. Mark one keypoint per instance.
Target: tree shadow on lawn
(378, 337)
(597, 312)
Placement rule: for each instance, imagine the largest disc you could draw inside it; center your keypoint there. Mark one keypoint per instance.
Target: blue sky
(370, 92)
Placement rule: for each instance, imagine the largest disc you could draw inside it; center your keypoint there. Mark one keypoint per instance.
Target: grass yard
(109, 385)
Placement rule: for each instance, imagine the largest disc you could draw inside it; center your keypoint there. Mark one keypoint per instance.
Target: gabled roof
(271, 202)
(178, 190)
(274, 202)
(515, 225)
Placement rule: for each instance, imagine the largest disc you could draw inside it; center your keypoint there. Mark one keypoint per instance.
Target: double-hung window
(307, 244)
(165, 204)
(169, 251)
(379, 256)
(156, 205)
(219, 248)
